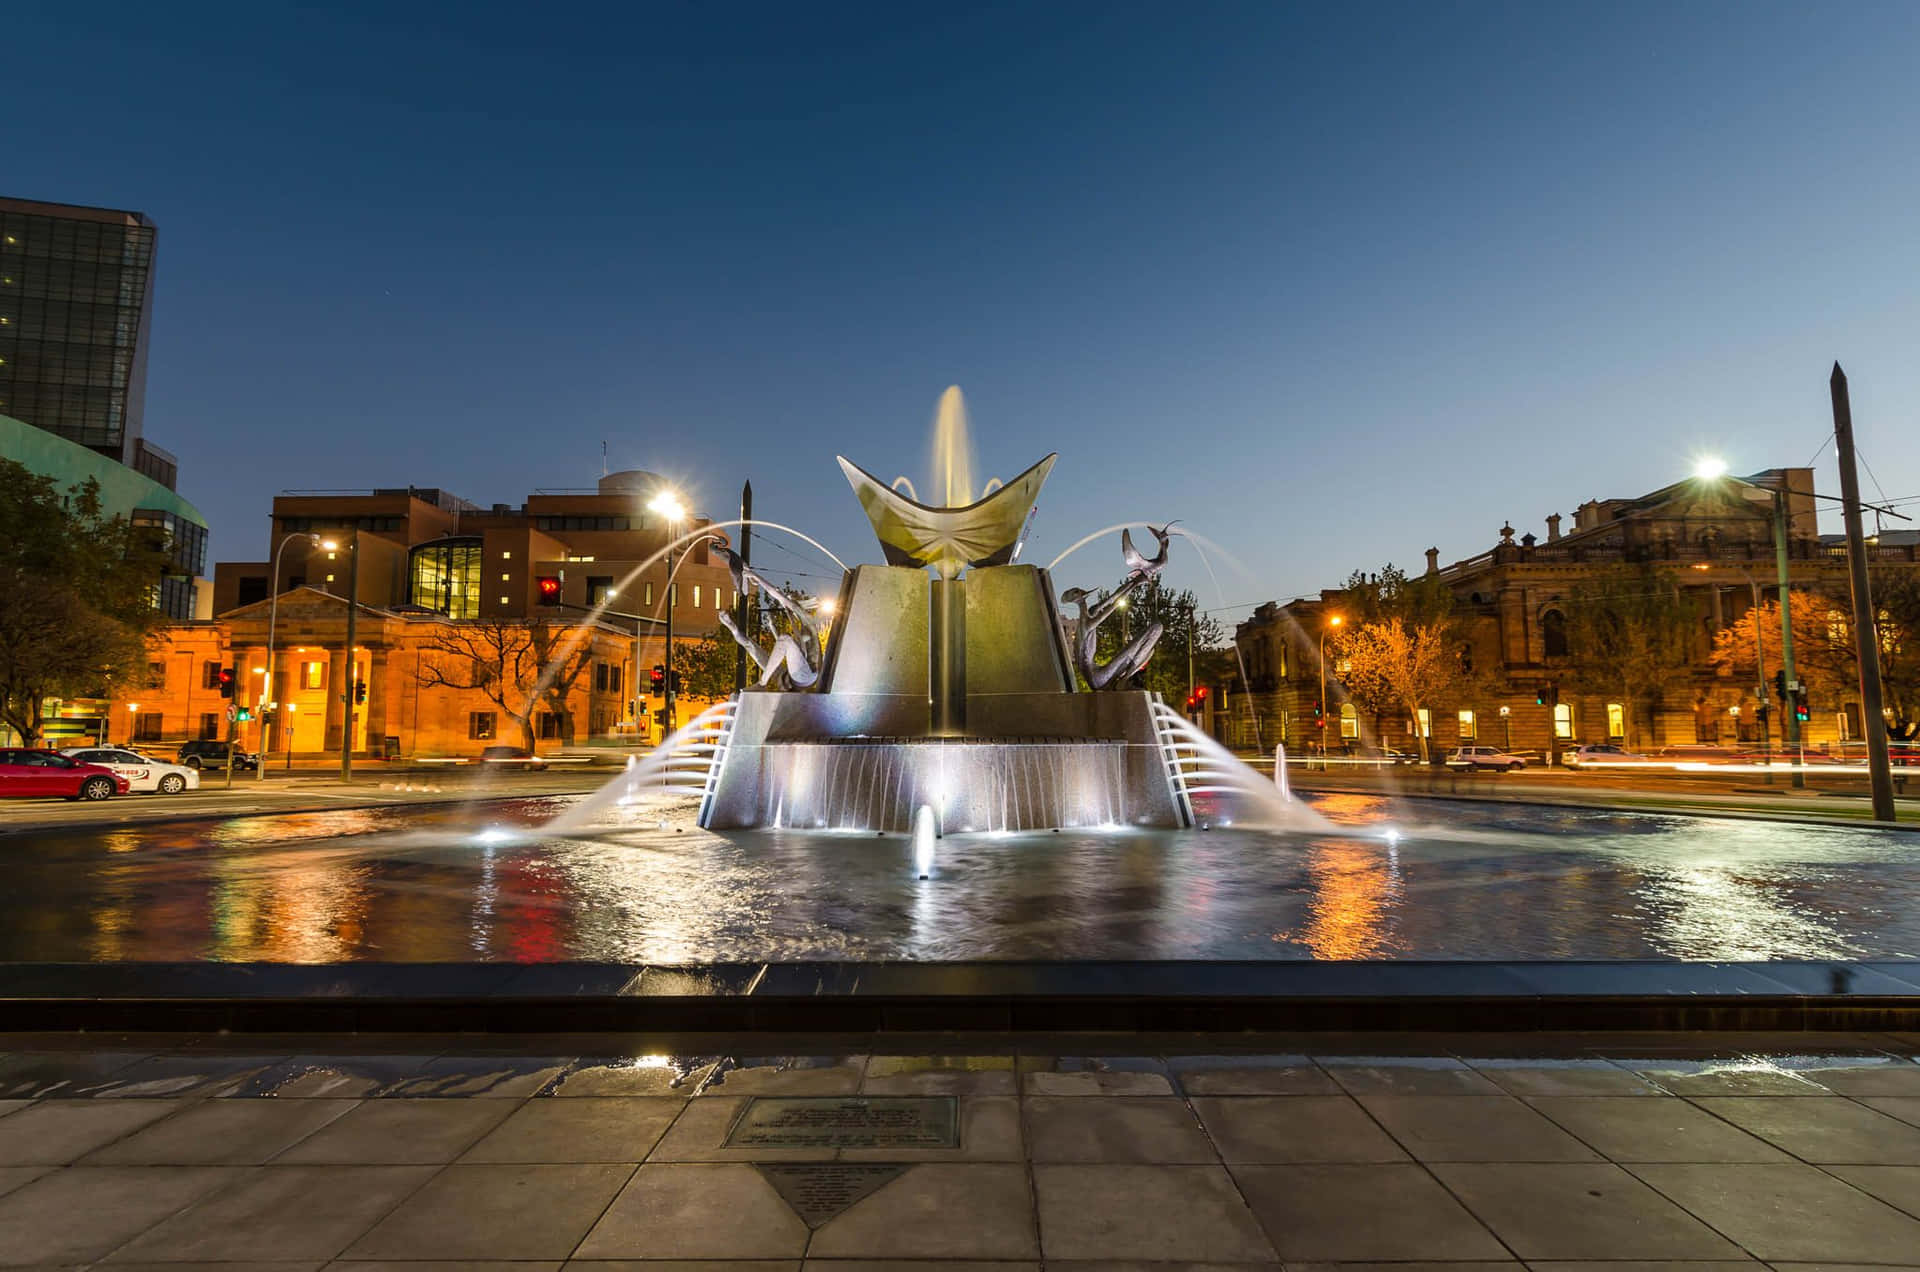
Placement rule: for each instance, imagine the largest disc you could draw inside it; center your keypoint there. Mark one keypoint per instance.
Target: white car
(1484, 757)
(143, 773)
(1599, 754)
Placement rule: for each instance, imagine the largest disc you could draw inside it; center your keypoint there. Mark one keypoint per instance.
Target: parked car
(143, 773)
(50, 775)
(213, 755)
(1484, 757)
(511, 756)
(1599, 754)
(1386, 755)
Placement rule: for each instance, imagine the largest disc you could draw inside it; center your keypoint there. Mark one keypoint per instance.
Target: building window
(313, 675)
(673, 595)
(549, 725)
(146, 726)
(1349, 721)
(156, 675)
(209, 675)
(1422, 723)
(251, 589)
(209, 726)
(506, 556)
(648, 600)
(696, 596)
(444, 576)
(480, 725)
(505, 577)
(505, 602)
(1563, 722)
(599, 589)
(1469, 727)
(1616, 720)
(1553, 632)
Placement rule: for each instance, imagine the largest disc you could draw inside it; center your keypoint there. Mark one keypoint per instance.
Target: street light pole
(273, 618)
(1329, 625)
(347, 703)
(672, 511)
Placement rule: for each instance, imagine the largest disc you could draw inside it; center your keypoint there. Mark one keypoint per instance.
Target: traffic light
(243, 715)
(1800, 712)
(549, 588)
(673, 680)
(1780, 684)
(658, 678)
(1319, 717)
(359, 691)
(1201, 693)
(225, 678)
(1553, 695)
(1540, 697)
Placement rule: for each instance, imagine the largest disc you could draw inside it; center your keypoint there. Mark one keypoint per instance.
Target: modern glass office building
(75, 302)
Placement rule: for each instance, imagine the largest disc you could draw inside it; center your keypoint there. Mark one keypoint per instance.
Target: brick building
(1512, 601)
(434, 570)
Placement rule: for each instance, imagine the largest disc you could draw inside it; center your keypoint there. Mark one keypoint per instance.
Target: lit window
(1469, 727)
(1349, 721)
(1563, 722)
(506, 578)
(1424, 723)
(1616, 720)
(648, 599)
(329, 578)
(313, 675)
(504, 601)
(506, 556)
(673, 595)
(696, 596)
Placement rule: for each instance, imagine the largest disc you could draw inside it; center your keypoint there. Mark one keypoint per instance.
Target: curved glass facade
(444, 576)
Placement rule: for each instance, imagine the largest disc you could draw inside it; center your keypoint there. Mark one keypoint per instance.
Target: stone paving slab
(1119, 1154)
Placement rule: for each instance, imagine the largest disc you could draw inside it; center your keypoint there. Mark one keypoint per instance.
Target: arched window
(1349, 721)
(1553, 630)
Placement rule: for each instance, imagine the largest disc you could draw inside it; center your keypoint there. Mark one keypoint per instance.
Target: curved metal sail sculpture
(947, 539)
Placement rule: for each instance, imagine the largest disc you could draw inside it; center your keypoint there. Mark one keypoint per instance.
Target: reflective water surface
(1397, 879)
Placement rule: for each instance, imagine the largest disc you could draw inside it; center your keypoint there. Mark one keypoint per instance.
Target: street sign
(230, 712)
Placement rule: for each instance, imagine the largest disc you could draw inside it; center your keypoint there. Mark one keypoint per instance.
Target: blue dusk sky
(1330, 284)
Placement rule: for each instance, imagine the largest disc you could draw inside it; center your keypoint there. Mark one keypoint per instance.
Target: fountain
(950, 681)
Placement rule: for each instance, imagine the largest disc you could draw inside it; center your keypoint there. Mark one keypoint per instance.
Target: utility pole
(1866, 627)
(740, 601)
(351, 687)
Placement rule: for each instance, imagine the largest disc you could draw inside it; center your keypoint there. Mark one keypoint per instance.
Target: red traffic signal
(549, 588)
(657, 677)
(225, 680)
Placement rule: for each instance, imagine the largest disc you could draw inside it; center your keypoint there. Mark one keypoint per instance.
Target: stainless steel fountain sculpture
(947, 681)
(793, 662)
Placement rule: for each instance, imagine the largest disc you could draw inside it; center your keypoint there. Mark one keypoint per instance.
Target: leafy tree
(503, 659)
(1824, 656)
(1631, 632)
(1821, 660)
(1401, 644)
(1179, 614)
(706, 665)
(76, 596)
(1393, 662)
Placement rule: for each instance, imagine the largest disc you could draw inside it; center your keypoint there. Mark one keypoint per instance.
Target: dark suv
(213, 755)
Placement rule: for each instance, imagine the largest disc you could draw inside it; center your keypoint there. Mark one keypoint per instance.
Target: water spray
(925, 830)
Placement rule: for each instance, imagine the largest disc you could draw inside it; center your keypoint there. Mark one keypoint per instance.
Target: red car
(49, 775)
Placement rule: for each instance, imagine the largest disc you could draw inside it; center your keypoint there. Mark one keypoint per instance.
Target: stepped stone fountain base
(1029, 761)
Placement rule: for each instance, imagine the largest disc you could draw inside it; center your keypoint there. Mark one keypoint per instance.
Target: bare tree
(503, 659)
(1631, 632)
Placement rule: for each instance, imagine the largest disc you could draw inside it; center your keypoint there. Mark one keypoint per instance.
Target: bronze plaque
(818, 1193)
(848, 1121)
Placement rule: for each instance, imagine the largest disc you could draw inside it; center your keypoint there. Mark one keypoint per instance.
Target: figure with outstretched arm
(792, 663)
(1140, 571)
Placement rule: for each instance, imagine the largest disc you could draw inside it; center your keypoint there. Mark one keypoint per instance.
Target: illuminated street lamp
(133, 716)
(1331, 623)
(1713, 469)
(668, 507)
(273, 617)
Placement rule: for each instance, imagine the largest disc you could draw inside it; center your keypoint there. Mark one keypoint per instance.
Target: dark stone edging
(846, 997)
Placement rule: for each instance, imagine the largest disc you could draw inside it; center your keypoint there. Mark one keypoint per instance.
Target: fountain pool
(1384, 880)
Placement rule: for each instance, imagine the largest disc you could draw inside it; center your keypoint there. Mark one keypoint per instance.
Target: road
(301, 792)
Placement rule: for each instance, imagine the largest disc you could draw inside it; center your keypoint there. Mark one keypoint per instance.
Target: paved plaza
(1668, 1151)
